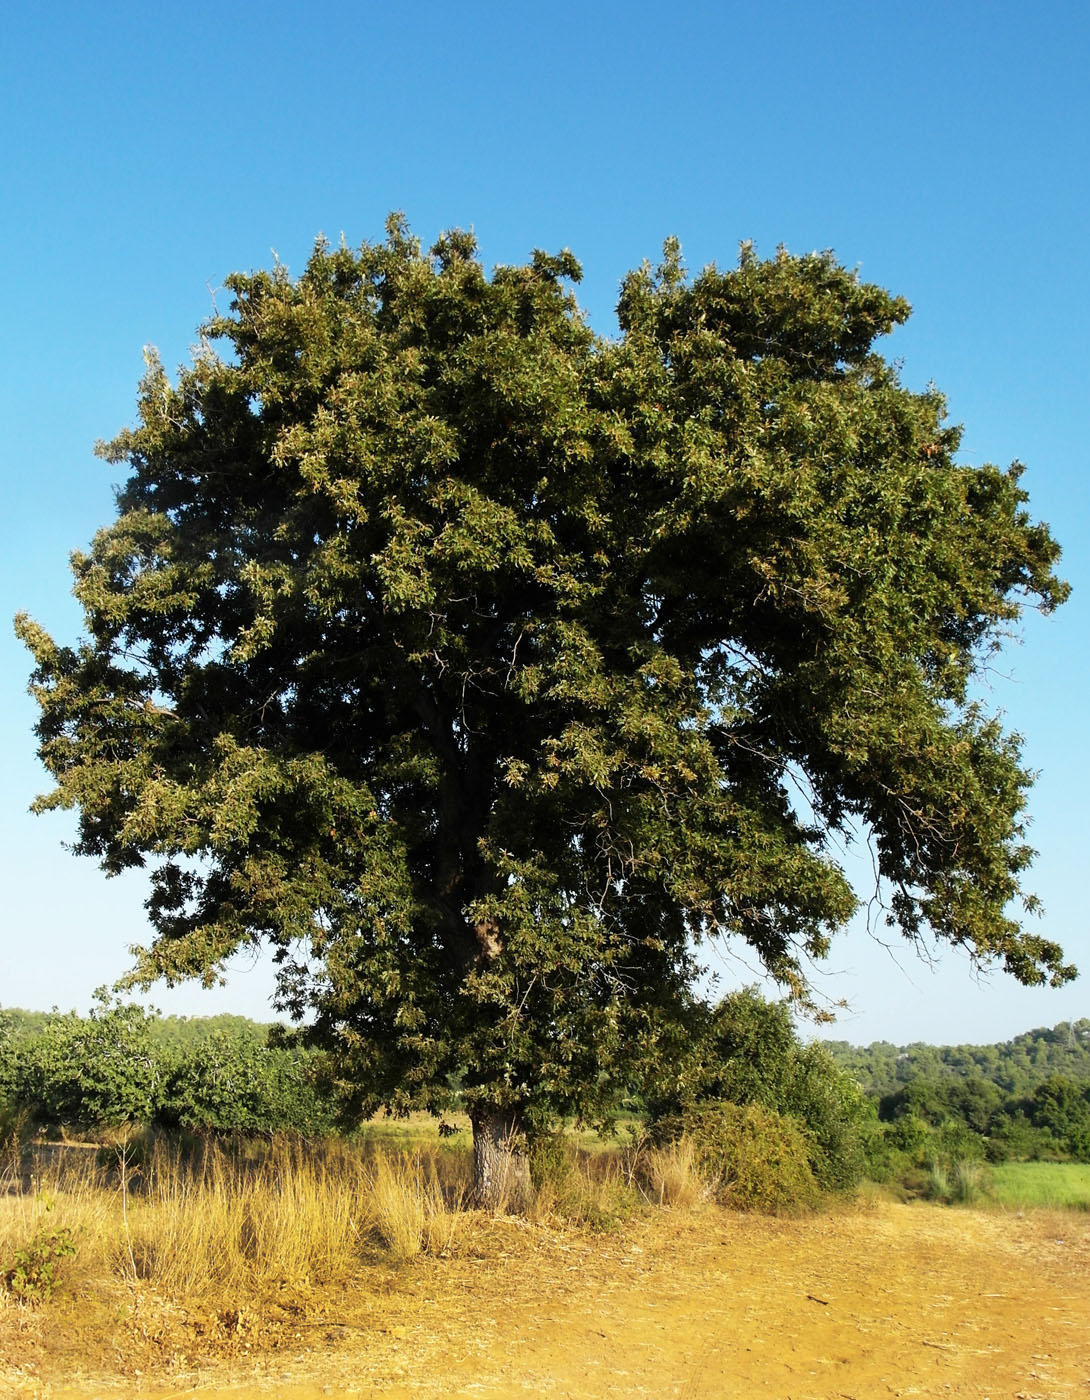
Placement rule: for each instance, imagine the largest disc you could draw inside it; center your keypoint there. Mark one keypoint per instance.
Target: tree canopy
(485, 666)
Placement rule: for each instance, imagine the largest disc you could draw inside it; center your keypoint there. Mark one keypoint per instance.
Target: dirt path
(900, 1300)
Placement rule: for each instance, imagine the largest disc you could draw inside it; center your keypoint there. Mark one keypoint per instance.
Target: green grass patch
(422, 1130)
(1054, 1185)
(415, 1131)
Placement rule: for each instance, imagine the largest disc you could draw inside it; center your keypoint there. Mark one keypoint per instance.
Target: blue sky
(146, 152)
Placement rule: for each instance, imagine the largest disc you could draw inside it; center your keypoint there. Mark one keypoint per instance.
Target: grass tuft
(413, 1210)
(673, 1175)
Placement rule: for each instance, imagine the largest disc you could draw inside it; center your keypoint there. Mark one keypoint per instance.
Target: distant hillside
(1015, 1066)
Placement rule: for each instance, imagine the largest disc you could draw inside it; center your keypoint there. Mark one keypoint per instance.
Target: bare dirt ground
(894, 1300)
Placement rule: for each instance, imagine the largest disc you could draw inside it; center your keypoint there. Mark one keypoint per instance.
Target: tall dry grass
(230, 1219)
(218, 1219)
(671, 1174)
(416, 1207)
(224, 1221)
(37, 1204)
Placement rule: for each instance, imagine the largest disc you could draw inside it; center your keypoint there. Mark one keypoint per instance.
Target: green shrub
(1061, 1108)
(745, 1052)
(752, 1157)
(32, 1274)
(838, 1118)
(955, 1141)
(119, 1065)
(911, 1135)
(102, 1069)
(232, 1082)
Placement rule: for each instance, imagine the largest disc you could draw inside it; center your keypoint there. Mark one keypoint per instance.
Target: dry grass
(223, 1220)
(672, 1303)
(232, 1220)
(226, 1222)
(672, 1175)
(221, 1256)
(414, 1210)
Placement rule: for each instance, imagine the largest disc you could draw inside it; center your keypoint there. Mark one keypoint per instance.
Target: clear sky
(147, 151)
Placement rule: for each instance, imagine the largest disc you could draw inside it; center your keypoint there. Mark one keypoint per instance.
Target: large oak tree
(486, 667)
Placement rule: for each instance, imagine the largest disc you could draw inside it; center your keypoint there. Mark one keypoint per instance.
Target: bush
(236, 1083)
(747, 1053)
(100, 1070)
(1015, 1138)
(16, 1126)
(838, 1118)
(1061, 1108)
(8, 1056)
(752, 1157)
(32, 1273)
(118, 1065)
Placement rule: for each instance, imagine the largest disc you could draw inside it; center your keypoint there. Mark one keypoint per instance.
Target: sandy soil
(895, 1300)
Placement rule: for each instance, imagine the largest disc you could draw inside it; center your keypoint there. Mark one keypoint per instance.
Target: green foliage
(972, 1102)
(472, 660)
(755, 1158)
(32, 1273)
(1023, 1100)
(910, 1134)
(97, 1070)
(1015, 1067)
(185, 1033)
(1012, 1137)
(836, 1115)
(229, 1083)
(972, 1118)
(123, 1064)
(8, 1056)
(749, 1053)
(1062, 1110)
(552, 1157)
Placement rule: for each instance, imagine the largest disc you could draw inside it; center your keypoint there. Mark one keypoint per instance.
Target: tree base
(501, 1166)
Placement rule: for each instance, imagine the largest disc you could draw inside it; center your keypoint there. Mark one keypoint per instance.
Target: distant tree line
(122, 1063)
(1025, 1099)
(1015, 1066)
(851, 1111)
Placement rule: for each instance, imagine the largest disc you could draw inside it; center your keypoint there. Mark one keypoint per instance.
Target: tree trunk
(501, 1167)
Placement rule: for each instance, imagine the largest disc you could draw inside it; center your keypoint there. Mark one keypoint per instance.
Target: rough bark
(501, 1166)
